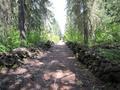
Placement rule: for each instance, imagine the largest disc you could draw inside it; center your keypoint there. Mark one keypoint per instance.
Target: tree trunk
(85, 31)
(85, 24)
(21, 18)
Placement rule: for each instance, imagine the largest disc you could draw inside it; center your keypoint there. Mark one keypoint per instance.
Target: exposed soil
(57, 69)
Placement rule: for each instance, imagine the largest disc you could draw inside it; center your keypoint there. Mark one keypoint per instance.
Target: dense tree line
(93, 21)
(94, 24)
(24, 22)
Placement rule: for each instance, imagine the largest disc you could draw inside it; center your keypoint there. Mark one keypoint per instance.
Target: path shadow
(56, 70)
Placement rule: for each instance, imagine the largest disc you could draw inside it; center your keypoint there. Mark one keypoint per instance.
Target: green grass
(111, 54)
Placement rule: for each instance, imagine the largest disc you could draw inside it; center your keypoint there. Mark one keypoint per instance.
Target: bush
(13, 39)
(109, 33)
(33, 37)
(3, 48)
(73, 35)
(9, 40)
(111, 54)
(53, 37)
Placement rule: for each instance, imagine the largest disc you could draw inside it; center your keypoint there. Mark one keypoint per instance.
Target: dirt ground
(57, 69)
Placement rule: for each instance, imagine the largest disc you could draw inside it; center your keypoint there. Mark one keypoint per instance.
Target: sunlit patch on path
(57, 69)
(61, 43)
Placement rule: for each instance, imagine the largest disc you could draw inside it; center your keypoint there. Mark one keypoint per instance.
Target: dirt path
(56, 70)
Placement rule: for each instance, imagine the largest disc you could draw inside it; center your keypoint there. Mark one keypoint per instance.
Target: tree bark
(21, 18)
(85, 24)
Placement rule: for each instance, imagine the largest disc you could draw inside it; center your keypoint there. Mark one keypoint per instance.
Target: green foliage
(9, 40)
(53, 37)
(13, 39)
(33, 37)
(37, 16)
(102, 19)
(109, 33)
(74, 36)
(111, 54)
(3, 48)
(113, 9)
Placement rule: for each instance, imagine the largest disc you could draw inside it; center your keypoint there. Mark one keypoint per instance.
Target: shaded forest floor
(56, 69)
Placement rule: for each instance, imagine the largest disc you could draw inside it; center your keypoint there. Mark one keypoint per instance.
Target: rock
(14, 57)
(8, 60)
(22, 52)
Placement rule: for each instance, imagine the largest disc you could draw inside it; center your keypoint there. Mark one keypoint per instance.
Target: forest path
(56, 70)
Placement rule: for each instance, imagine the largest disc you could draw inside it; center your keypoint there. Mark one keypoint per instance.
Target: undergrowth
(11, 39)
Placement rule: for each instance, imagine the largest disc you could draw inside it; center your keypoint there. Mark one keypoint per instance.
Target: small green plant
(53, 37)
(73, 35)
(3, 48)
(13, 39)
(111, 54)
(109, 33)
(34, 37)
(9, 39)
